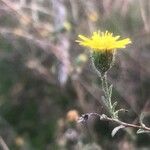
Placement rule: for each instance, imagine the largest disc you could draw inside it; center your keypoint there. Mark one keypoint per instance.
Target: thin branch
(13, 8)
(144, 17)
(103, 117)
(3, 144)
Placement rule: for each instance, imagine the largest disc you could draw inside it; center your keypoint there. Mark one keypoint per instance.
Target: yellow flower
(103, 41)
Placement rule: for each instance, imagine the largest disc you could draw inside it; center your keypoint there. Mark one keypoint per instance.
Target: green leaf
(114, 106)
(110, 90)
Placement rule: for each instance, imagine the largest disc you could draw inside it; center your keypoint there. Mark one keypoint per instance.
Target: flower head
(103, 41)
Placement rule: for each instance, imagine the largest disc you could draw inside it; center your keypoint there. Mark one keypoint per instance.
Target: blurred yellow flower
(93, 16)
(72, 115)
(82, 58)
(103, 41)
(67, 26)
(19, 141)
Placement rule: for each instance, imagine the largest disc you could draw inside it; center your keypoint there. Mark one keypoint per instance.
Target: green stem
(106, 89)
(107, 93)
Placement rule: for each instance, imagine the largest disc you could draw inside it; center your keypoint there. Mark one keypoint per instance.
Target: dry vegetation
(44, 74)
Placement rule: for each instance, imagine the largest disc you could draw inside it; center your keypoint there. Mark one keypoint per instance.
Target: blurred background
(47, 80)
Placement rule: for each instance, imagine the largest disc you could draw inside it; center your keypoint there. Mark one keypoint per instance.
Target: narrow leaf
(139, 131)
(141, 119)
(116, 129)
(114, 106)
(104, 100)
(110, 90)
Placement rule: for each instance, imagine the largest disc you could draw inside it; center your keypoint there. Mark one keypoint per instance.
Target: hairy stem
(107, 93)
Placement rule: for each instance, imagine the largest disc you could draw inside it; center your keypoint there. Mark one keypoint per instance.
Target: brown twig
(13, 8)
(103, 117)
